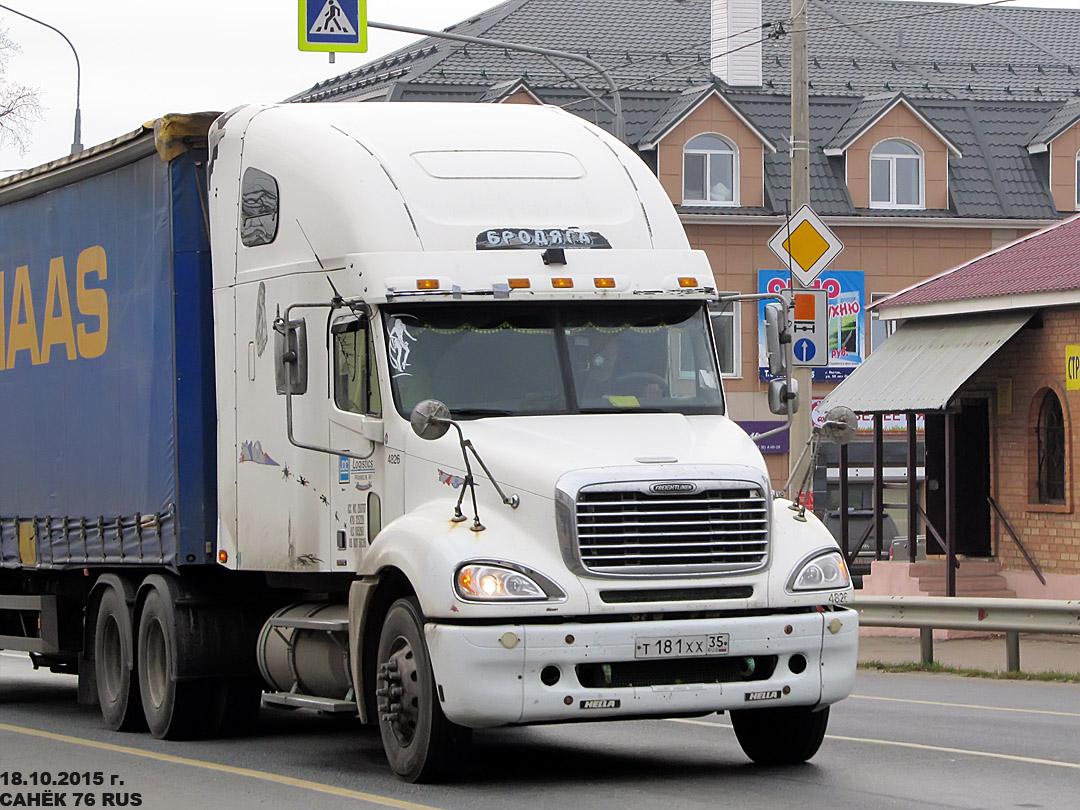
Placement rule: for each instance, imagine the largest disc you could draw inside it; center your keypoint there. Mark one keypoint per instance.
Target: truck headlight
(489, 581)
(823, 572)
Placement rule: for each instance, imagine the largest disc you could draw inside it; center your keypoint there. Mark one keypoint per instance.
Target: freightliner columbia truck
(410, 411)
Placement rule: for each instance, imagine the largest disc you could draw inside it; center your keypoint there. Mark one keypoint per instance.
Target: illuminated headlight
(489, 582)
(825, 572)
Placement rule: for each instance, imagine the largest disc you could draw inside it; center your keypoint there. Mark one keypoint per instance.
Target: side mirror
(776, 336)
(290, 349)
(780, 395)
(430, 419)
(841, 424)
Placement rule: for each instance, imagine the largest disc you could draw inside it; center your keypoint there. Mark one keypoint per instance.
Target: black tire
(175, 709)
(421, 745)
(781, 736)
(114, 665)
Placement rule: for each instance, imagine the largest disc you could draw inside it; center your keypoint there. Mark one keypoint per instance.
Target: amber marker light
(465, 582)
(518, 283)
(562, 283)
(687, 281)
(223, 556)
(604, 283)
(427, 284)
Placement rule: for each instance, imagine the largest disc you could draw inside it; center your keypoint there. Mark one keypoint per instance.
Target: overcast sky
(143, 58)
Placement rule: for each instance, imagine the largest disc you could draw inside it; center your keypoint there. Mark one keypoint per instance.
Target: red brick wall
(1030, 363)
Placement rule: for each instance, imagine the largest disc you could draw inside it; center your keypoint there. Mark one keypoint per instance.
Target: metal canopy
(921, 366)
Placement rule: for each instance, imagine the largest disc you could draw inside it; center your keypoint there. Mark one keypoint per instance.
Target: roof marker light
(562, 283)
(518, 283)
(604, 283)
(427, 284)
(687, 281)
(223, 556)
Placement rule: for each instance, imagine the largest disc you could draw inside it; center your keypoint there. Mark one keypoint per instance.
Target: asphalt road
(901, 741)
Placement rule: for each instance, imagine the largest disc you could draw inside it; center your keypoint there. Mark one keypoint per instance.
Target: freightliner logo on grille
(673, 486)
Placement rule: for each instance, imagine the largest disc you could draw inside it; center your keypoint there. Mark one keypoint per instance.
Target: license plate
(681, 646)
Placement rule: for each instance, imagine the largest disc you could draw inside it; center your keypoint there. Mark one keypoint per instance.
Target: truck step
(293, 701)
(329, 625)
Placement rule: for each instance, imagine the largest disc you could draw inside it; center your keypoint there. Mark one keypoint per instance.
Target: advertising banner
(847, 319)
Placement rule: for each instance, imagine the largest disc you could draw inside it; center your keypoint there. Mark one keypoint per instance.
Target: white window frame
(736, 332)
(892, 159)
(733, 150)
(1076, 177)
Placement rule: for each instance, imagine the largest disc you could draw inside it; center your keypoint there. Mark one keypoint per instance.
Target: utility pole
(800, 195)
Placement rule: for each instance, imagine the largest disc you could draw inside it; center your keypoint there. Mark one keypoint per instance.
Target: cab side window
(356, 383)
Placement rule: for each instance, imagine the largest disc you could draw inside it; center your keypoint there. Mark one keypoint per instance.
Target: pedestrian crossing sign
(333, 25)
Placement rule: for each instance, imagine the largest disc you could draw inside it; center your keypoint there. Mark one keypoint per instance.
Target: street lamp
(76, 145)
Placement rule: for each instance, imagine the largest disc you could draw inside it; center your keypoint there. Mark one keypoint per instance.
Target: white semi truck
(428, 428)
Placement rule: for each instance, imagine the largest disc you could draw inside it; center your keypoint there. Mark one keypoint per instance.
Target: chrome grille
(629, 531)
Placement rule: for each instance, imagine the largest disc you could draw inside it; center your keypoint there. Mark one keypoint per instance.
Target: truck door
(358, 480)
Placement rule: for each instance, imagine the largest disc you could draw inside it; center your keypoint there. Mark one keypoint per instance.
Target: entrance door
(972, 476)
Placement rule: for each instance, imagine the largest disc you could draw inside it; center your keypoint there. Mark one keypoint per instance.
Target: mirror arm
(281, 325)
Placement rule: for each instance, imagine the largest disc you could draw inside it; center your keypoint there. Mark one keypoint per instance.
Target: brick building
(1001, 334)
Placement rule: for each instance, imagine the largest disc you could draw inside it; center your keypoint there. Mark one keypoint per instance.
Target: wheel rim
(111, 658)
(156, 661)
(403, 686)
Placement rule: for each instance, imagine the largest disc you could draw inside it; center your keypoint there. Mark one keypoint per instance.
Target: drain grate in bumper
(676, 671)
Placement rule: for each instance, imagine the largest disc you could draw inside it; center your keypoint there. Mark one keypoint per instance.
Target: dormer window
(710, 171)
(896, 175)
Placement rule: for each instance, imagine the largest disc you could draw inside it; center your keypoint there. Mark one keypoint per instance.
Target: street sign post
(333, 25)
(805, 245)
(809, 327)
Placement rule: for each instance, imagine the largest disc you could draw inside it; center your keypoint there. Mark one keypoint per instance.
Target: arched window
(710, 171)
(1050, 439)
(896, 175)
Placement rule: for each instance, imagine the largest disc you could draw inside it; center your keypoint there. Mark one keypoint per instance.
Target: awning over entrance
(925, 362)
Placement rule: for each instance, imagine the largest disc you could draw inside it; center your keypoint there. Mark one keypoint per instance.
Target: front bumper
(491, 675)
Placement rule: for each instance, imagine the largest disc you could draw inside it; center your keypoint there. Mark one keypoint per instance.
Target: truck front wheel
(420, 743)
(114, 648)
(781, 736)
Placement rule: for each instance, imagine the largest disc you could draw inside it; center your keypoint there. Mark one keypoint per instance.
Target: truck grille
(634, 532)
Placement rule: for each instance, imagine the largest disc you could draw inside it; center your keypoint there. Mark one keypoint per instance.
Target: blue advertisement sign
(847, 319)
(777, 444)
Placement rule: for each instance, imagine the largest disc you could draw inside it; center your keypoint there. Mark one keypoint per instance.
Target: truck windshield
(528, 359)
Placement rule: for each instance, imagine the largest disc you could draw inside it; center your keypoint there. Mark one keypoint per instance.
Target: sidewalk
(1039, 652)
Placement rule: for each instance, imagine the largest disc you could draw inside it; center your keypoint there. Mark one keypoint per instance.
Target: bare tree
(19, 104)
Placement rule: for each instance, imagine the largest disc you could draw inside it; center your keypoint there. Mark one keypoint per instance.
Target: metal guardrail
(991, 614)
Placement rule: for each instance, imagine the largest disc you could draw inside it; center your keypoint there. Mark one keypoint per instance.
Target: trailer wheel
(114, 670)
(781, 736)
(175, 709)
(420, 743)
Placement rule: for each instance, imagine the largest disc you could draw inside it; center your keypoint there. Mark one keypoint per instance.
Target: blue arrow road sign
(805, 350)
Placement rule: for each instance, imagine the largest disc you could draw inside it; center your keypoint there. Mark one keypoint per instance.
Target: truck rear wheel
(175, 709)
(781, 736)
(420, 743)
(114, 670)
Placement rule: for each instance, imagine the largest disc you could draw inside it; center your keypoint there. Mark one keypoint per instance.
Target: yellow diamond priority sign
(805, 245)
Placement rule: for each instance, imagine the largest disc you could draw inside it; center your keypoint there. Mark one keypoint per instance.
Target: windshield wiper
(630, 409)
(477, 412)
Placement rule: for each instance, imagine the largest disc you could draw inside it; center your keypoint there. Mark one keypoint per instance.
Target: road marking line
(917, 746)
(214, 766)
(966, 706)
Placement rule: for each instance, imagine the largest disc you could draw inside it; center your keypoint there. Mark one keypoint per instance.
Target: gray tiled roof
(986, 78)
(1057, 123)
(861, 116)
